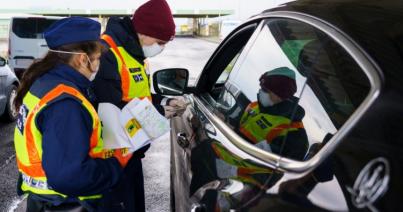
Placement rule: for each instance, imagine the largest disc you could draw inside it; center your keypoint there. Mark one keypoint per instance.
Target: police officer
(123, 76)
(274, 122)
(59, 148)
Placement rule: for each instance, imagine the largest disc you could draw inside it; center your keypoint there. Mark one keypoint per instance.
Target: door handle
(182, 140)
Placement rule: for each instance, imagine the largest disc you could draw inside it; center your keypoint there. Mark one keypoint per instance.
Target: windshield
(32, 28)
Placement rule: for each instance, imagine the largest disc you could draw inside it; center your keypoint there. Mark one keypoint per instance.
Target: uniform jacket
(295, 145)
(66, 127)
(107, 85)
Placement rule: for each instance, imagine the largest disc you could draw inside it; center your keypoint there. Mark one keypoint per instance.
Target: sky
(243, 8)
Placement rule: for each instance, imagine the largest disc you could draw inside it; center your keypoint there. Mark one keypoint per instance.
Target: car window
(224, 75)
(223, 62)
(31, 27)
(294, 89)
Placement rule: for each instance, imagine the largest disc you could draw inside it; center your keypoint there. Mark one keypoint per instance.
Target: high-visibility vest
(258, 127)
(134, 79)
(236, 167)
(28, 138)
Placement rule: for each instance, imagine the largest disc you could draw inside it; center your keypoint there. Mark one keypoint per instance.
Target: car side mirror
(171, 82)
(3, 62)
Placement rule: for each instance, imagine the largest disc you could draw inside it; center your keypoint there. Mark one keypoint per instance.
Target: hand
(123, 156)
(178, 102)
(169, 111)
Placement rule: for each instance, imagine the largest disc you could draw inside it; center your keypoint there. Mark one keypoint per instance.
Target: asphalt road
(187, 53)
(8, 168)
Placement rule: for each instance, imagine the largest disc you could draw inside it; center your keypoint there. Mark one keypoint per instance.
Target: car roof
(377, 26)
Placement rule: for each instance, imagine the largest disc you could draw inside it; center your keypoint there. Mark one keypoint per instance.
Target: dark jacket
(295, 144)
(66, 128)
(107, 84)
(128, 195)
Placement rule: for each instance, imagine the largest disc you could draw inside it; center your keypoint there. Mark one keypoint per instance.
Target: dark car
(347, 57)
(8, 91)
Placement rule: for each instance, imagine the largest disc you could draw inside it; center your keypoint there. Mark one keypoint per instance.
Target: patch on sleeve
(134, 70)
(22, 118)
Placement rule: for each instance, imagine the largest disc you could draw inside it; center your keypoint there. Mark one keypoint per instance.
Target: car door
(193, 161)
(351, 121)
(345, 165)
(336, 85)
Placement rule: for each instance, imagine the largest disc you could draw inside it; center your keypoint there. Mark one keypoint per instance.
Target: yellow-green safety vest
(258, 127)
(28, 139)
(134, 79)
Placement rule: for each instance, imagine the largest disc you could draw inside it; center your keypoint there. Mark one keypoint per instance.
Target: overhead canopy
(107, 13)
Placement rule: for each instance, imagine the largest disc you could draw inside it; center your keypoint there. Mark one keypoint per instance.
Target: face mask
(264, 99)
(94, 71)
(152, 50)
(92, 77)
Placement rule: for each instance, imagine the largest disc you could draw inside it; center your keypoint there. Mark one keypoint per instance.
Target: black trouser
(128, 195)
(36, 205)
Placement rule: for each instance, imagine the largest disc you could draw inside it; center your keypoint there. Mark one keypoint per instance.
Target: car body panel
(7, 79)
(362, 171)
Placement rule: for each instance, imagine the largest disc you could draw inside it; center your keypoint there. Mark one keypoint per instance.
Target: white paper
(150, 119)
(113, 134)
(138, 137)
(133, 127)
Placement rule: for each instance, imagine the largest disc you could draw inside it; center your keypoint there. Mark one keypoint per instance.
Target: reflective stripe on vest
(241, 170)
(234, 160)
(260, 127)
(28, 138)
(134, 79)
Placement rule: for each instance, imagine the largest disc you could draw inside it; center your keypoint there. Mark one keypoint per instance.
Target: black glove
(141, 152)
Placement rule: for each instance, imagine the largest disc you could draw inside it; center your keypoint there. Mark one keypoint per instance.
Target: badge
(134, 70)
(261, 124)
(138, 78)
(22, 118)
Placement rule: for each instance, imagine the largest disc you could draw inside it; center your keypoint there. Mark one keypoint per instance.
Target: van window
(31, 28)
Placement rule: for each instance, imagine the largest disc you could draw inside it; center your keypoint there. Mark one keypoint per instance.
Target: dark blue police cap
(72, 30)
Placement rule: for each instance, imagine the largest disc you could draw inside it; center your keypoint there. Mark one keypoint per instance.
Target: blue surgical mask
(264, 98)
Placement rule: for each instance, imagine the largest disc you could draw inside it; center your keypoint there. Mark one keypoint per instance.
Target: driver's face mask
(264, 98)
(93, 70)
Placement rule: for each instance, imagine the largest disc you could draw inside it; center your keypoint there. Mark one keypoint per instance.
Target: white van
(26, 41)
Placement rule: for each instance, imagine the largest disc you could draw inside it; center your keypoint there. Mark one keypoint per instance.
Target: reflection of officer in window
(276, 118)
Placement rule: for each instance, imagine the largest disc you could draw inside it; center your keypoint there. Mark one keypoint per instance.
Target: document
(133, 127)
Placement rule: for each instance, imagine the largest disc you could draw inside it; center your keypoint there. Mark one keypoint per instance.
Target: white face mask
(264, 99)
(94, 71)
(152, 50)
(93, 75)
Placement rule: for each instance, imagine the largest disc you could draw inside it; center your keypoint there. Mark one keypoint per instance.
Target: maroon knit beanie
(280, 81)
(154, 19)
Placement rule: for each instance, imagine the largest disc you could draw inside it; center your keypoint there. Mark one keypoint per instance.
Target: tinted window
(310, 85)
(31, 27)
(217, 71)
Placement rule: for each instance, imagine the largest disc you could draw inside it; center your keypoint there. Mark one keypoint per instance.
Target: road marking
(7, 161)
(16, 202)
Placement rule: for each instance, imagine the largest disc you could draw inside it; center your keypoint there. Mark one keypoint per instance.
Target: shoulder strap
(51, 95)
(108, 39)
